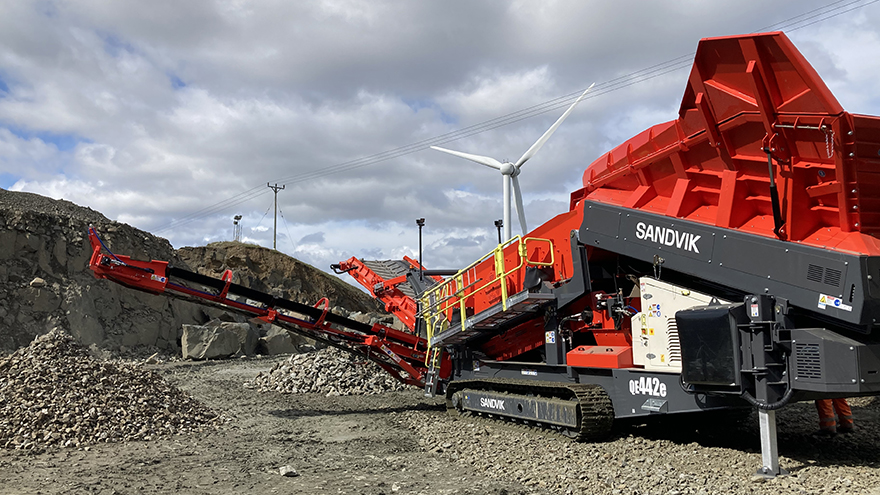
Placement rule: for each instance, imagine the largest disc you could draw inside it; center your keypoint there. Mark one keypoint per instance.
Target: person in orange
(827, 423)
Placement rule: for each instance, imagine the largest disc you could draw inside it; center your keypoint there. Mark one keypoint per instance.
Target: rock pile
(53, 393)
(327, 371)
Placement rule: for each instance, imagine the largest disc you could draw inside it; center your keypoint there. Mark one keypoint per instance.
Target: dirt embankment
(45, 282)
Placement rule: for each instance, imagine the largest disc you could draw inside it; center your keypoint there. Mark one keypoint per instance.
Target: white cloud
(153, 113)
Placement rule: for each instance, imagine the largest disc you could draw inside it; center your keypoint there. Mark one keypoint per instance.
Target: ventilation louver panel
(832, 277)
(807, 362)
(822, 275)
(674, 345)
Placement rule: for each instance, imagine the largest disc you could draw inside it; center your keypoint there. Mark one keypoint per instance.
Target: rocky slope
(45, 282)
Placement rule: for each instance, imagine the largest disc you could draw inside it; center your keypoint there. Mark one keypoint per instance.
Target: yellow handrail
(455, 290)
(524, 251)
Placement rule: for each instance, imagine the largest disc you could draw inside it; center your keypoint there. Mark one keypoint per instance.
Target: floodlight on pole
(236, 228)
(421, 223)
(498, 224)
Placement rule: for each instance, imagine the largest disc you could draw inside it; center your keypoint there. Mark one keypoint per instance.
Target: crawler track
(595, 412)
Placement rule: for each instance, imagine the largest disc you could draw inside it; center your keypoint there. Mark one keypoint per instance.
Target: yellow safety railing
(523, 251)
(454, 291)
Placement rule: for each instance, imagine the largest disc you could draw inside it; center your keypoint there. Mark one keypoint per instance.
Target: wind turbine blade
(519, 206)
(543, 139)
(482, 160)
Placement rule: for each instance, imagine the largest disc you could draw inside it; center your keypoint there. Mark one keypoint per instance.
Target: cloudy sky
(173, 116)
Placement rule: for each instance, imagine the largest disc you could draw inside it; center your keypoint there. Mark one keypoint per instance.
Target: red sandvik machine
(727, 259)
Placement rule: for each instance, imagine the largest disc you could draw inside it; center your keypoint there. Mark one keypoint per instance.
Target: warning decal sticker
(835, 302)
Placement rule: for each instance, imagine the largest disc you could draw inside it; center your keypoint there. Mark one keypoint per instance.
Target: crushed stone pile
(53, 393)
(328, 371)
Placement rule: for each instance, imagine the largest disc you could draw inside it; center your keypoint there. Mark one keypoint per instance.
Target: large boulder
(248, 335)
(276, 341)
(204, 342)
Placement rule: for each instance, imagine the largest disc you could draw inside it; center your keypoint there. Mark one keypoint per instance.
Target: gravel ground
(668, 458)
(402, 442)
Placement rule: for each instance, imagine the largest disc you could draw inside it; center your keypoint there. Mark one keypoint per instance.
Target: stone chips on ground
(327, 371)
(53, 393)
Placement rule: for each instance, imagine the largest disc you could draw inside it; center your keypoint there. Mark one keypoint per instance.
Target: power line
(835, 14)
(555, 104)
(264, 214)
(781, 24)
(287, 227)
(798, 19)
(791, 24)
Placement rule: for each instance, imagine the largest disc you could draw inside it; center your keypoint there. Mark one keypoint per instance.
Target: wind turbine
(510, 171)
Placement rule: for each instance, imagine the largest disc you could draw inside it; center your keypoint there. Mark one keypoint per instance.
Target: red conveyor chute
(748, 96)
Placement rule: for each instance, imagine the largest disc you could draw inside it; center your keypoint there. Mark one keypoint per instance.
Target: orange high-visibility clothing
(827, 409)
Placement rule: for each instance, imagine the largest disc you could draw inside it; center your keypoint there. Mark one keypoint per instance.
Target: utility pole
(275, 230)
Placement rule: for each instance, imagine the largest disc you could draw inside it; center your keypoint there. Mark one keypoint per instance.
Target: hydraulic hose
(773, 405)
(786, 397)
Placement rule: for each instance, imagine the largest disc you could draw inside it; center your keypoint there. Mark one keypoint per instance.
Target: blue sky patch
(448, 119)
(64, 142)
(417, 105)
(7, 180)
(115, 47)
(176, 82)
(4, 88)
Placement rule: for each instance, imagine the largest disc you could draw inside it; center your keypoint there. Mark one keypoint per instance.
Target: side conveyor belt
(400, 353)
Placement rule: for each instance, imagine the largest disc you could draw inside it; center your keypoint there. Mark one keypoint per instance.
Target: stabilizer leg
(769, 451)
